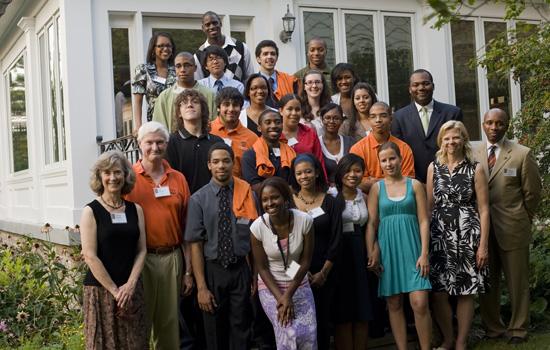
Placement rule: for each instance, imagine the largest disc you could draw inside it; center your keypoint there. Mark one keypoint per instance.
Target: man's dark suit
(407, 126)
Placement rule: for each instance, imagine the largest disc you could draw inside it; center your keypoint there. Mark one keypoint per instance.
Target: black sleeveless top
(116, 243)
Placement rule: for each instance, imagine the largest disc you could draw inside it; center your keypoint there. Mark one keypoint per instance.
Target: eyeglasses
(162, 46)
(256, 88)
(311, 83)
(214, 59)
(333, 119)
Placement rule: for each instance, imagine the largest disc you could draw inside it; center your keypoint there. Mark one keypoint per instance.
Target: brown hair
(107, 161)
(205, 111)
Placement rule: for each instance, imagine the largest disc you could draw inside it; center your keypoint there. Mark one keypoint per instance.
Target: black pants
(323, 304)
(229, 326)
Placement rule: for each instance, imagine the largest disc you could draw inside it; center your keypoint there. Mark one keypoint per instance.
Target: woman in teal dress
(403, 237)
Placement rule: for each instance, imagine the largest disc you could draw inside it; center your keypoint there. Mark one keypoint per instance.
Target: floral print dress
(148, 82)
(455, 232)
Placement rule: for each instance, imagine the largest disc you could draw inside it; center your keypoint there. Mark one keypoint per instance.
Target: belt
(233, 260)
(162, 250)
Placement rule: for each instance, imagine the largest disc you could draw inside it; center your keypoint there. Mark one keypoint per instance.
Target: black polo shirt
(188, 154)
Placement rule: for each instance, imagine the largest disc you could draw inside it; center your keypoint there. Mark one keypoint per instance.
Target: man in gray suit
(418, 123)
(514, 193)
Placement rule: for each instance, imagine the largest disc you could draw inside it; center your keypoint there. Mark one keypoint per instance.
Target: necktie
(272, 96)
(225, 241)
(219, 85)
(492, 158)
(424, 119)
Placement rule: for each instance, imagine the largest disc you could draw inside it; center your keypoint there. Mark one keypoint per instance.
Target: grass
(534, 342)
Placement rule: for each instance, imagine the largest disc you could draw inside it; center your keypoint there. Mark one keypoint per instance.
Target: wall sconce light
(288, 26)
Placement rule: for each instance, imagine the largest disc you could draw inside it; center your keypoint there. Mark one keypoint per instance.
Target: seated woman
(358, 125)
(113, 245)
(256, 91)
(398, 205)
(301, 138)
(282, 244)
(315, 93)
(334, 146)
(343, 79)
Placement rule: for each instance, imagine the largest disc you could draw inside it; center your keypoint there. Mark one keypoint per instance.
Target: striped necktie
(219, 85)
(492, 158)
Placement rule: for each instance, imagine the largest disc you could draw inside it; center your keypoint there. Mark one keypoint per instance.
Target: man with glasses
(165, 111)
(239, 64)
(380, 120)
(317, 54)
(215, 60)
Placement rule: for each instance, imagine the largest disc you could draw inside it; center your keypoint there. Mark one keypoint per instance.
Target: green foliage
(39, 291)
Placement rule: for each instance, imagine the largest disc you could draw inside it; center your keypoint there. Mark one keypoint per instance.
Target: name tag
(315, 212)
(227, 142)
(510, 172)
(243, 221)
(163, 191)
(160, 80)
(277, 152)
(118, 218)
(348, 227)
(292, 269)
(292, 142)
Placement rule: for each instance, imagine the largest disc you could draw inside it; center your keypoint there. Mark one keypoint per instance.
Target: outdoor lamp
(288, 26)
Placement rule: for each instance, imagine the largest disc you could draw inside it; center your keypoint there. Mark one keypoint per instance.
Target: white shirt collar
(498, 144)
(429, 106)
(228, 41)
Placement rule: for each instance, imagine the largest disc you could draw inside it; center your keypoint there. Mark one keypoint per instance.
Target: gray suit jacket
(514, 193)
(407, 126)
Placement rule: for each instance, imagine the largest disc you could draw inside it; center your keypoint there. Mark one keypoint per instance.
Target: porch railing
(128, 145)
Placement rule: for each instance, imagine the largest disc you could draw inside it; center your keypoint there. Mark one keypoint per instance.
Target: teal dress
(400, 246)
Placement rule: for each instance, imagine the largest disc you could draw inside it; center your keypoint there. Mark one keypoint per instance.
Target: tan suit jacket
(514, 193)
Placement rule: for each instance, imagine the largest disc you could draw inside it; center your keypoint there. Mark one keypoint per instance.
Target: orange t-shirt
(164, 216)
(367, 149)
(241, 140)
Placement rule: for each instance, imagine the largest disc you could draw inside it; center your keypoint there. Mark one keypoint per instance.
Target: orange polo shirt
(367, 149)
(164, 216)
(241, 140)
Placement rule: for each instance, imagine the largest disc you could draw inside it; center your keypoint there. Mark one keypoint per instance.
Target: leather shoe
(517, 340)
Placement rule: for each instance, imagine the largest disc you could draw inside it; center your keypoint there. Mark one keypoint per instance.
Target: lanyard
(285, 261)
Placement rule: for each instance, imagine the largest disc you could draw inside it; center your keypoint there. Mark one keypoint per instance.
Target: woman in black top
(310, 195)
(113, 244)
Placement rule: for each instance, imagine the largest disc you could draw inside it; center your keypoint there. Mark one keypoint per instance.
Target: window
(378, 44)
(120, 49)
(18, 115)
(52, 94)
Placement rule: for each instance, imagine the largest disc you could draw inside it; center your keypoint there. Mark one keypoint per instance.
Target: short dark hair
(339, 69)
(316, 38)
(151, 48)
(329, 107)
(248, 83)
(216, 51)
(321, 184)
(287, 98)
(205, 110)
(266, 112)
(344, 166)
(389, 145)
(207, 13)
(266, 43)
(227, 94)
(222, 146)
(421, 70)
(383, 104)
(280, 185)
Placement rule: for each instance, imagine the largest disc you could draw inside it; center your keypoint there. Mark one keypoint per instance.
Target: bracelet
(188, 273)
(323, 275)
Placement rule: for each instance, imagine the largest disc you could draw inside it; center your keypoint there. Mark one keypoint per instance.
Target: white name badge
(163, 191)
(292, 142)
(160, 80)
(510, 172)
(118, 218)
(277, 152)
(228, 141)
(243, 221)
(348, 227)
(292, 269)
(315, 212)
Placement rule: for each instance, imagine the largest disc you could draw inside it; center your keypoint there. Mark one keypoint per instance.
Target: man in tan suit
(514, 193)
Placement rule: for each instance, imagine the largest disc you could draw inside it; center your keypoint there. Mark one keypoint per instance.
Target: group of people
(264, 208)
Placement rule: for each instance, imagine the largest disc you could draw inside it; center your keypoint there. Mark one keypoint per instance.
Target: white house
(62, 61)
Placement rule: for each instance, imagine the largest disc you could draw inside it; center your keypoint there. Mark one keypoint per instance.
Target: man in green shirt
(317, 54)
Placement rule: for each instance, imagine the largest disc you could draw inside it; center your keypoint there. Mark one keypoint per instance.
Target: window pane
(320, 24)
(122, 83)
(239, 35)
(18, 117)
(44, 75)
(499, 90)
(53, 91)
(360, 46)
(466, 86)
(399, 58)
(61, 106)
(186, 39)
